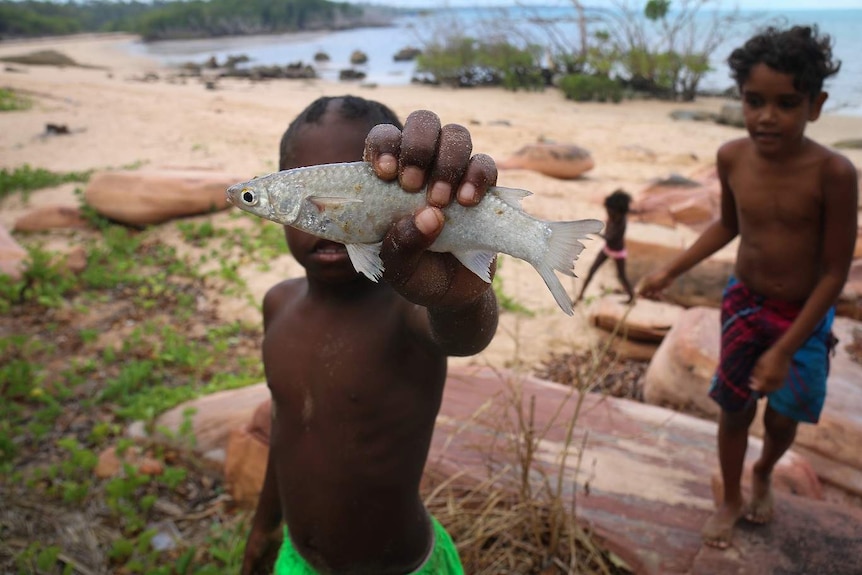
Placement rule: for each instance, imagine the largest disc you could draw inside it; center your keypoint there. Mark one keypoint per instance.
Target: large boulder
(680, 372)
(145, 197)
(564, 161)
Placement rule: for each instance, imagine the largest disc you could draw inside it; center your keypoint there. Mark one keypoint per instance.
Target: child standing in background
(617, 207)
(793, 204)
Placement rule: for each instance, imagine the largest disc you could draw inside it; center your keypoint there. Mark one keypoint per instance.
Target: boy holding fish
(356, 369)
(793, 204)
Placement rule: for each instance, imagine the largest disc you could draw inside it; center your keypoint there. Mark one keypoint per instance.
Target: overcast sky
(771, 5)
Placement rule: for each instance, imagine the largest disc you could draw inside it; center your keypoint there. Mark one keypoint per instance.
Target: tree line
(176, 19)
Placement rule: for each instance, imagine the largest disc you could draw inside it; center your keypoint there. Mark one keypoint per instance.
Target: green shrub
(583, 88)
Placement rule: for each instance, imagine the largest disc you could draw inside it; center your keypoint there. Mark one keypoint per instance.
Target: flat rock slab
(643, 482)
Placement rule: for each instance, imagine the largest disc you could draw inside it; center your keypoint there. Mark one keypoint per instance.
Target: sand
(117, 119)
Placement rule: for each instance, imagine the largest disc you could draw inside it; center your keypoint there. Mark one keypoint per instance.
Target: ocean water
(517, 24)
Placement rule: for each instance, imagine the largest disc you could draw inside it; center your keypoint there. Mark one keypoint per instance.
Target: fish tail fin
(564, 247)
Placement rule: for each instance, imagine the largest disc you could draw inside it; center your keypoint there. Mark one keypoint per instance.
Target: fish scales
(349, 204)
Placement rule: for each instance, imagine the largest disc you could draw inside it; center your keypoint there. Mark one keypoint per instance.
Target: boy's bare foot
(718, 530)
(761, 507)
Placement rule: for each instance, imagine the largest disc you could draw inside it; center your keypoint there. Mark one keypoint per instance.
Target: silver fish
(349, 204)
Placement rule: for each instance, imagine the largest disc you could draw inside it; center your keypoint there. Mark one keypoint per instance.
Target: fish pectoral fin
(477, 261)
(331, 202)
(510, 196)
(366, 259)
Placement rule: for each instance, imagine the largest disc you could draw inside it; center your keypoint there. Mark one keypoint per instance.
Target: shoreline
(123, 51)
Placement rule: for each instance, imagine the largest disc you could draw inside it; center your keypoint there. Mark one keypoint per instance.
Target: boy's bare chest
(790, 197)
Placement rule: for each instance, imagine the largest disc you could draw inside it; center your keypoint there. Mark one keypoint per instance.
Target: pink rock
(12, 255)
(145, 197)
(693, 201)
(212, 418)
(564, 161)
(850, 301)
(645, 321)
(245, 465)
(51, 217)
(681, 369)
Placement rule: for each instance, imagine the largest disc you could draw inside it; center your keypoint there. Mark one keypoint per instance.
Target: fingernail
(412, 179)
(441, 193)
(428, 220)
(467, 194)
(387, 164)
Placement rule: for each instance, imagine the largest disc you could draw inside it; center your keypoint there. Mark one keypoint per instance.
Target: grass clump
(26, 179)
(12, 101)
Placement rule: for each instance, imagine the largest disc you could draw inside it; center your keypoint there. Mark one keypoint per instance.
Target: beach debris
(563, 161)
(349, 204)
(56, 129)
(321, 56)
(358, 57)
(406, 54)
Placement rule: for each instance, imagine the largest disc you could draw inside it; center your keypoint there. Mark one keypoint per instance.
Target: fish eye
(248, 197)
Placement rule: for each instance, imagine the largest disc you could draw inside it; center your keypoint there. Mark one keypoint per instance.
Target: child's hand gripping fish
(349, 204)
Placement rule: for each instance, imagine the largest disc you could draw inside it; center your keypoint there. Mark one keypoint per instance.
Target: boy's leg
(732, 444)
(624, 280)
(778, 436)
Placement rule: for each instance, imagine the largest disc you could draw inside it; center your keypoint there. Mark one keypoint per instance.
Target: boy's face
(775, 112)
(333, 141)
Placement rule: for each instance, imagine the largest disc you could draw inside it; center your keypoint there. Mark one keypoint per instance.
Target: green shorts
(443, 559)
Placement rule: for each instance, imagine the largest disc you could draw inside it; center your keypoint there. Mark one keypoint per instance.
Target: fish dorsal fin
(510, 196)
(366, 259)
(477, 261)
(331, 202)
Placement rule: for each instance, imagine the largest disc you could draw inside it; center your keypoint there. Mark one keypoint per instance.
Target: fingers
(481, 175)
(418, 148)
(382, 147)
(428, 153)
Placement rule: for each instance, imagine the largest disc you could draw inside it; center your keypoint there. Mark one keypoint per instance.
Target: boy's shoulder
(281, 293)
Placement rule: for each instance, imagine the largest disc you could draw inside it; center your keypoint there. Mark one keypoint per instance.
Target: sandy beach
(117, 119)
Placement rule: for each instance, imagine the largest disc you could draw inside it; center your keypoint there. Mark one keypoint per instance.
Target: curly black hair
(349, 108)
(618, 201)
(798, 51)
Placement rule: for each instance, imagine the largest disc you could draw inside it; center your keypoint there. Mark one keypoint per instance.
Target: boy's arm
(713, 238)
(460, 309)
(267, 518)
(840, 202)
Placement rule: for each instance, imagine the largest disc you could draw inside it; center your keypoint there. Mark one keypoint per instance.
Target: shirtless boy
(356, 369)
(793, 204)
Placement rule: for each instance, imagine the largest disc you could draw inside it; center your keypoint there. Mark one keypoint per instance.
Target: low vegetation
(83, 355)
(12, 101)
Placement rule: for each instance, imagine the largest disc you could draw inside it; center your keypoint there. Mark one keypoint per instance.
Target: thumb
(405, 244)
